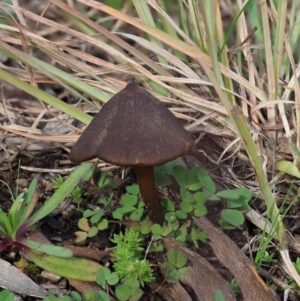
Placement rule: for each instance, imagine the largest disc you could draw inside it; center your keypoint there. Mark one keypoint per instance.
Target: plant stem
(145, 178)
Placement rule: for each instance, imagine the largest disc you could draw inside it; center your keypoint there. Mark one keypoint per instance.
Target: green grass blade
(63, 192)
(245, 135)
(52, 72)
(27, 200)
(49, 99)
(12, 214)
(5, 223)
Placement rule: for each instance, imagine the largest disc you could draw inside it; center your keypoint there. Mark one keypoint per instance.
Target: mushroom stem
(145, 178)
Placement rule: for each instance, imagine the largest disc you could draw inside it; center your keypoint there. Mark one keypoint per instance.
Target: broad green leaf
(103, 296)
(182, 272)
(71, 268)
(103, 224)
(96, 217)
(93, 232)
(168, 167)
(193, 179)
(113, 279)
(133, 189)
(50, 298)
(123, 292)
(186, 195)
(76, 296)
(288, 168)
(126, 209)
(7, 295)
(200, 210)
(166, 230)
(64, 191)
(207, 181)
(118, 214)
(129, 199)
(186, 207)
(234, 217)
(161, 179)
(176, 257)
(156, 229)
(88, 213)
(180, 173)
(236, 203)
(132, 282)
(168, 204)
(137, 214)
(136, 294)
(199, 198)
(181, 239)
(170, 217)
(218, 294)
(170, 272)
(237, 193)
(102, 276)
(145, 226)
(181, 214)
(47, 248)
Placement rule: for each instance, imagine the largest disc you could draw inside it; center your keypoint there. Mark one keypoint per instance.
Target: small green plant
(128, 256)
(235, 287)
(76, 195)
(174, 269)
(18, 220)
(129, 290)
(297, 264)
(90, 224)
(219, 295)
(235, 201)
(268, 258)
(105, 278)
(57, 182)
(131, 204)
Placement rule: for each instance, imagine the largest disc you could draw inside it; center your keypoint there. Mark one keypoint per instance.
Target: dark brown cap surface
(133, 128)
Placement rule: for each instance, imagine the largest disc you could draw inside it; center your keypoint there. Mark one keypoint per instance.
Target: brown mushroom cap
(133, 128)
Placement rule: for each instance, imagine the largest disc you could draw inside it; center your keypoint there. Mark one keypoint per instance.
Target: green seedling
(131, 204)
(90, 224)
(57, 182)
(235, 201)
(18, 220)
(106, 278)
(128, 255)
(174, 269)
(196, 186)
(268, 258)
(76, 195)
(235, 287)
(129, 290)
(219, 295)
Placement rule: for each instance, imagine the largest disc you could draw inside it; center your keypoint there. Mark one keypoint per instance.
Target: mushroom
(135, 129)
